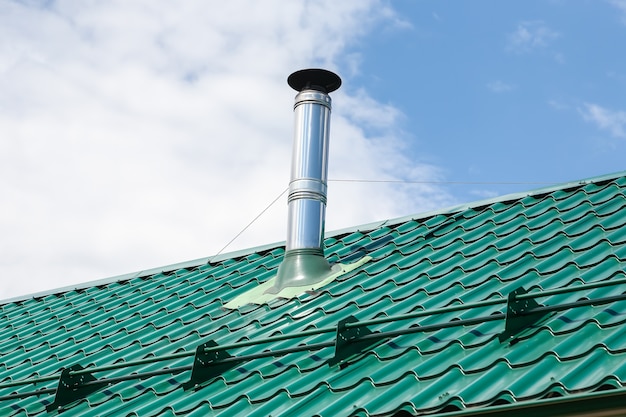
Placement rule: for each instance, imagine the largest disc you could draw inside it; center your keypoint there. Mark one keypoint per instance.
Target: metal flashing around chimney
(304, 266)
(261, 295)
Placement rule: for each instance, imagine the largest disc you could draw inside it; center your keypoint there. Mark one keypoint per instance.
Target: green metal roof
(515, 303)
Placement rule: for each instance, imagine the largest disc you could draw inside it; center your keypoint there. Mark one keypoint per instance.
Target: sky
(138, 134)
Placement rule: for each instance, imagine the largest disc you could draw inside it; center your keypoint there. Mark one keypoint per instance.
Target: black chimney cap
(314, 79)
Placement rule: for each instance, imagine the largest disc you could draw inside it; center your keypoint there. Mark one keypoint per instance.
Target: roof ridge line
(363, 227)
(479, 203)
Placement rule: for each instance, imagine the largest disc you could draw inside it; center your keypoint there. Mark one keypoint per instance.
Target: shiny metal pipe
(304, 263)
(309, 171)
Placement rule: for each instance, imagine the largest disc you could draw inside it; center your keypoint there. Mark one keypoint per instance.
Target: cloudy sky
(136, 134)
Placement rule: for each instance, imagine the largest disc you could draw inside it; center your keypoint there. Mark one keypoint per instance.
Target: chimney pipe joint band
(307, 188)
(312, 97)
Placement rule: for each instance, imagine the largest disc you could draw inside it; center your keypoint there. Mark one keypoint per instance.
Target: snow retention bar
(352, 337)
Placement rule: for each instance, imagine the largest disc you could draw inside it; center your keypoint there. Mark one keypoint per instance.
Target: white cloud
(558, 105)
(137, 134)
(559, 58)
(615, 75)
(498, 86)
(621, 5)
(613, 121)
(529, 36)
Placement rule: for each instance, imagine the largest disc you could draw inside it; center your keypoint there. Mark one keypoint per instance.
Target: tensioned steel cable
(446, 182)
(365, 181)
(249, 224)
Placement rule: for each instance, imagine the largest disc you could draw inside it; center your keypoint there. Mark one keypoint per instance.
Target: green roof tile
(550, 241)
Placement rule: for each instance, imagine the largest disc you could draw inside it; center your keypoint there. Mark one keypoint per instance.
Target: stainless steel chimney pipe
(304, 261)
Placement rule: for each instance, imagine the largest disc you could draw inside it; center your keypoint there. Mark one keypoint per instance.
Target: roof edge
(363, 227)
(602, 403)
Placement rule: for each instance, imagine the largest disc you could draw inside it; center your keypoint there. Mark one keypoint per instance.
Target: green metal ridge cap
(145, 272)
(478, 203)
(107, 280)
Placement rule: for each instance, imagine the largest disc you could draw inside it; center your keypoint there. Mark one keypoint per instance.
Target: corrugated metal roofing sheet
(560, 239)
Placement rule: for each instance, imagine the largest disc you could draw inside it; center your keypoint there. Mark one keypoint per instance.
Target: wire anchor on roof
(519, 314)
(208, 363)
(347, 343)
(73, 386)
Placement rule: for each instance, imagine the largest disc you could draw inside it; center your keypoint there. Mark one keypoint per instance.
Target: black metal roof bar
(279, 352)
(426, 313)
(434, 327)
(277, 338)
(101, 381)
(581, 303)
(140, 375)
(134, 363)
(28, 394)
(574, 288)
(29, 381)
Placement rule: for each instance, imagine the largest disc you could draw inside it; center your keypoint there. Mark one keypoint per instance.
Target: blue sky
(135, 135)
(492, 91)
